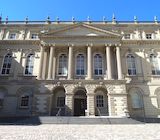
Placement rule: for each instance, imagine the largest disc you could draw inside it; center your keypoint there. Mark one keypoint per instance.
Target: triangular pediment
(80, 30)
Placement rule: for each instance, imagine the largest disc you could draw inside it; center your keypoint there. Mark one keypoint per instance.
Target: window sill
(23, 107)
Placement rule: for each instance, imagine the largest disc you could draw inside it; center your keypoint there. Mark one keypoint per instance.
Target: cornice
(19, 42)
(141, 42)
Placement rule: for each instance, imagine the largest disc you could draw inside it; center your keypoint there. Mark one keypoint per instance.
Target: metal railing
(59, 112)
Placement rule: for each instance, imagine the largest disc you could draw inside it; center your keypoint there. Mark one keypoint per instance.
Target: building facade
(80, 68)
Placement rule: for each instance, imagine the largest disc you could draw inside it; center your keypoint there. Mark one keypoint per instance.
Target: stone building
(80, 68)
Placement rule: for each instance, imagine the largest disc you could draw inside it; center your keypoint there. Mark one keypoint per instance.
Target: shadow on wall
(142, 99)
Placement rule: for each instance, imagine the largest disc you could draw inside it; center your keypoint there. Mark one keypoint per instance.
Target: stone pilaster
(69, 104)
(70, 63)
(119, 65)
(91, 104)
(50, 66)
(89, 62)
(108, 57)
(41, 62)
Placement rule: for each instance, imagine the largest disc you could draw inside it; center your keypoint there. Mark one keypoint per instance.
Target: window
(131, 65)
(7, 64)
(12, 36)
(29, 64)
(34, 36)
(148, 36)
(99, 101)
(24, 101)
(62, 65)
(98, 64)
(80, 65)
(155, 64)
(127, 36)
(136, 100)
(60, 101)
(1, 99)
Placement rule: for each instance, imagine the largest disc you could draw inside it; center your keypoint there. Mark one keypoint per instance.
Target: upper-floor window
(148, 36)
(29, 64)
(34, 36)
(99, 101)
(98, 64)
(7, 64)
(80, 66)
(127, 36)
(12, 36)
(155, 64)
(62, 68)
(131, 64)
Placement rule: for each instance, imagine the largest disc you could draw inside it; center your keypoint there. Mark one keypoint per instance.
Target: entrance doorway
(80, 103)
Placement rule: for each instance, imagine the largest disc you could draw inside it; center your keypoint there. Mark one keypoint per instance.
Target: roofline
(76, 21)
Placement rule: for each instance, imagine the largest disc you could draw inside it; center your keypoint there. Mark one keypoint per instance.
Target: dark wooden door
(79, 107)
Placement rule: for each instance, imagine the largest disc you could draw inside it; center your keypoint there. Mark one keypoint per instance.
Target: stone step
(69, 120)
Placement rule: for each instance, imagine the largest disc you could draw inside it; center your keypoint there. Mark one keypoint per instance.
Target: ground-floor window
(1, 103)
(60, 101)
(24, 101)
(99, 101)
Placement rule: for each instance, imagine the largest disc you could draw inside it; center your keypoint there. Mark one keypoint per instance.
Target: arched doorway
(101, 102)
(135, 103)
(58, 102)
(80, 102)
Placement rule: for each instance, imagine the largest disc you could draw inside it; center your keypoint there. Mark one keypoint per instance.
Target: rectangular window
(99, 101)
(1, 103)
(127, 36)
(12, 36)
(148, 36)
(34, 36)
(24, 101)
(60, 101)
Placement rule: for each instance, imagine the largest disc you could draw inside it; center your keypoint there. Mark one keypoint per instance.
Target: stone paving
(80, 132)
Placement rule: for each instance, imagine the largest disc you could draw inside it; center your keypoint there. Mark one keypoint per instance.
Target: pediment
(80, 30)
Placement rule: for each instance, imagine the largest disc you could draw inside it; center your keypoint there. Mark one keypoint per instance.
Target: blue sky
(80, 9)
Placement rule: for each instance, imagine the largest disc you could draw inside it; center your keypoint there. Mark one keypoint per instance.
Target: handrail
(99, 113)
(59, 111)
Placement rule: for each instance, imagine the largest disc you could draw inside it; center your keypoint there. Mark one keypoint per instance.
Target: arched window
(80, 66)
(155, 64)
(29, 64)
(98, 66)
(7, 64)
(136, 99)
(62, 69)
(131, 64)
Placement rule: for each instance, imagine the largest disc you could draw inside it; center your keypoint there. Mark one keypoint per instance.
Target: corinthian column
(108, 57)
(41, 62)
(89, 62)
(70, 62)
(50, 62)
(119, 66)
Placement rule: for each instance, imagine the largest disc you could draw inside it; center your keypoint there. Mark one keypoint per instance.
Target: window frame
(127, 36)
(36, 36)
(27, 64)
(20, 103)
(100, 101)
(100, 54)
(15, 36)
(155, 65)
(59, 65)
(139, 101)
(7, 68)
(131, 61)
(80, 75)
(148, 36)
